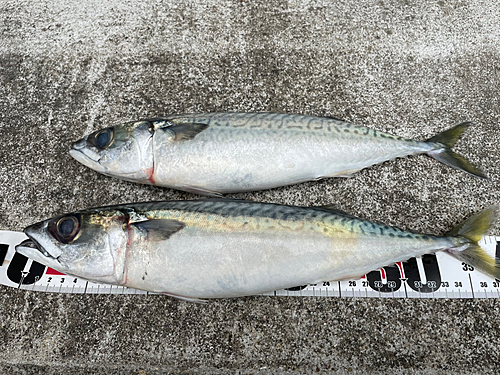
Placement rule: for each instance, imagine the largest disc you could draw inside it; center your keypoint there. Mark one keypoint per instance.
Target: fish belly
(205, 264)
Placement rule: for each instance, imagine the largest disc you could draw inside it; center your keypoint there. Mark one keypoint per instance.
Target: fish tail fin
(473, 229)
(445, 155)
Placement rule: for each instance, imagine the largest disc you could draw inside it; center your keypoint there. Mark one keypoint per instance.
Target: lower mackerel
(230, 248)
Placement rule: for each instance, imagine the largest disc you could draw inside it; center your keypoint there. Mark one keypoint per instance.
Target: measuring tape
(431, 276)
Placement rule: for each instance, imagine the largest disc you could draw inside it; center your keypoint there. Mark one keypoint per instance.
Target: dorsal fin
(329, 207)
(335, 118)
(333, 208)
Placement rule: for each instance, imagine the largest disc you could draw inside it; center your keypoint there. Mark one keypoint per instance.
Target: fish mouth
(32, 248)
(28, 243)
(31, 244)
(81, 153)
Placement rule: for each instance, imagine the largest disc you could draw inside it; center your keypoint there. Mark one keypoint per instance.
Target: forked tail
(445, 155)
(473, 229)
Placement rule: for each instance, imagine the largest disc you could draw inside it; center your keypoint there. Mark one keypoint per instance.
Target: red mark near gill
(130, 233)
(150, 173)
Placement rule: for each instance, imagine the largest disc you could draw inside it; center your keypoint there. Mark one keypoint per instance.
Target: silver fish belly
(217, 153)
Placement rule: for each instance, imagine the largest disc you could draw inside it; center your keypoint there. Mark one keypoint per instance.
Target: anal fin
(346, 174)
(186, 299)
(200, 191)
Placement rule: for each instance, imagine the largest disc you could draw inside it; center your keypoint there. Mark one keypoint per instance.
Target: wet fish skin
(231, 248)
(214, 153)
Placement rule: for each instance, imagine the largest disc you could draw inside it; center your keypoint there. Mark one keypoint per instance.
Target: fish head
(89, 244)
(124, 151)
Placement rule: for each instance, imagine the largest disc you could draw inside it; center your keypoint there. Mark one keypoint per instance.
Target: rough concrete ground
(410, 68)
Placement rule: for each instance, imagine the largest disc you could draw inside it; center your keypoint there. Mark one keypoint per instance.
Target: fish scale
(232, 209)
(270, 122)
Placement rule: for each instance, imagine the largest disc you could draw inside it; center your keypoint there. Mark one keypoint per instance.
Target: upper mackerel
(213, 153)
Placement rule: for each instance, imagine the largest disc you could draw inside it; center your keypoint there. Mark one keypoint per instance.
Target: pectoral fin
(183, 132)
(158, 230)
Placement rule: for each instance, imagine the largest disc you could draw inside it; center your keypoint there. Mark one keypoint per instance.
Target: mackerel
(215, 153)
(229, 248)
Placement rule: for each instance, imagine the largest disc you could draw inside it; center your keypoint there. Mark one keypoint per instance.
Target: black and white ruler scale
(432, 276)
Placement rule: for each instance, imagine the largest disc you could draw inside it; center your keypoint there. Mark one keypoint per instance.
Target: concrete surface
(410, 68)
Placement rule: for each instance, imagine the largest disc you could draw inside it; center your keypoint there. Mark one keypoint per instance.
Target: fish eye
(102, 139)
(65, 228)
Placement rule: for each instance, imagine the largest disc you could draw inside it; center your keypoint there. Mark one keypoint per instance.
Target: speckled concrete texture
(410, 68)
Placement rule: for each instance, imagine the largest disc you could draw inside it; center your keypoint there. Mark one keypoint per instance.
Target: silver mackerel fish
(229, 248)
(214, 153)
